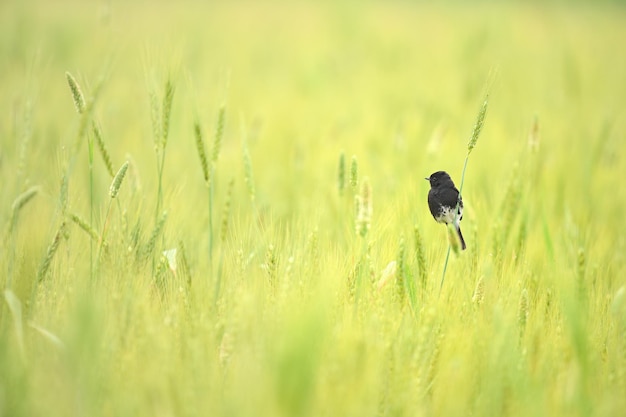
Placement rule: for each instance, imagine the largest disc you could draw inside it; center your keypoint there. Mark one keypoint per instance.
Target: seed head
(354, 172)
(117, 181)
(166, 111)
(341, 173)
(365, 209)
(478, 126)
(219, 133)
(522, 314)
(201, 152)
(77, 94)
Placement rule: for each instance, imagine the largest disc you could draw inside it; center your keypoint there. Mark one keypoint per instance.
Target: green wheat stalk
(364, 209)
(64, 190)
(183, 263)
(50, 252)
(166, 110)
(206, 173)
(47, 260)
(223, 234)
(113, 192)
(219, 133)
(354, 173)
(161, 126)
(217, 144)
(247, 167)
(156, 232)
(19, 203)
(480, 121)
(81, 108)
(204, 163)
(77, 94)
(16, 207)
(84, 108)
(271, 266)
(341, 174)
(85, 226)
(155, 118)
(104, 153)
(208, 165)
(522, 313)
(401, 284)
(420, 256)
(363, 223)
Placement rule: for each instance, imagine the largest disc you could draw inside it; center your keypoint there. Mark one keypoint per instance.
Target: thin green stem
(91, 202)
(470, 146)
(160, 166)
(456, 219)
(210, 186)
(104, 229)
(445, 267)
(218, 281)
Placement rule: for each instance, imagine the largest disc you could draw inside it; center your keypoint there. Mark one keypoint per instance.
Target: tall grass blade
(48, 335)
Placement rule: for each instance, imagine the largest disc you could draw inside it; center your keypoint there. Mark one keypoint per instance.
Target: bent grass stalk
(16, 207)
(19, 203)
(480, 121)
(113, 192)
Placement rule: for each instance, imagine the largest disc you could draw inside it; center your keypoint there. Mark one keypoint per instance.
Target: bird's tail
(458, 230)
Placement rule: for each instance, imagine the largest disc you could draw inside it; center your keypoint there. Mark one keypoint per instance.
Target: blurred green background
(532, 317)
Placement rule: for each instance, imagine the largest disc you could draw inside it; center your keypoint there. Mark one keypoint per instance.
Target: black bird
(442, 200)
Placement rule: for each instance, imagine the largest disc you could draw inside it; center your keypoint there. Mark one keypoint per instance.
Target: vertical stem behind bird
(480, 121)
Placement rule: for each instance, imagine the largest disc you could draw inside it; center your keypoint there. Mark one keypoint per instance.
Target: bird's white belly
(447, 215)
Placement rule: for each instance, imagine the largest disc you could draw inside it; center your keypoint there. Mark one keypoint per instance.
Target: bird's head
(438, 178)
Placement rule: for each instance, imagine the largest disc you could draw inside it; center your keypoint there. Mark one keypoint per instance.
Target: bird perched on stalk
(445, 203)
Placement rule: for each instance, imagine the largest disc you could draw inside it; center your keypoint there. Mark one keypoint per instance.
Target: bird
(443, 198)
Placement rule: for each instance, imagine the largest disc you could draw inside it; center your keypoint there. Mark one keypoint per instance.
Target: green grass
(247, 281)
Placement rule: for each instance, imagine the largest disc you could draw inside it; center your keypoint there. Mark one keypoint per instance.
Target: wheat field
(220, 209)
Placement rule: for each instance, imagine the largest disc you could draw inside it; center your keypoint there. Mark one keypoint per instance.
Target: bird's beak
(427, 179)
